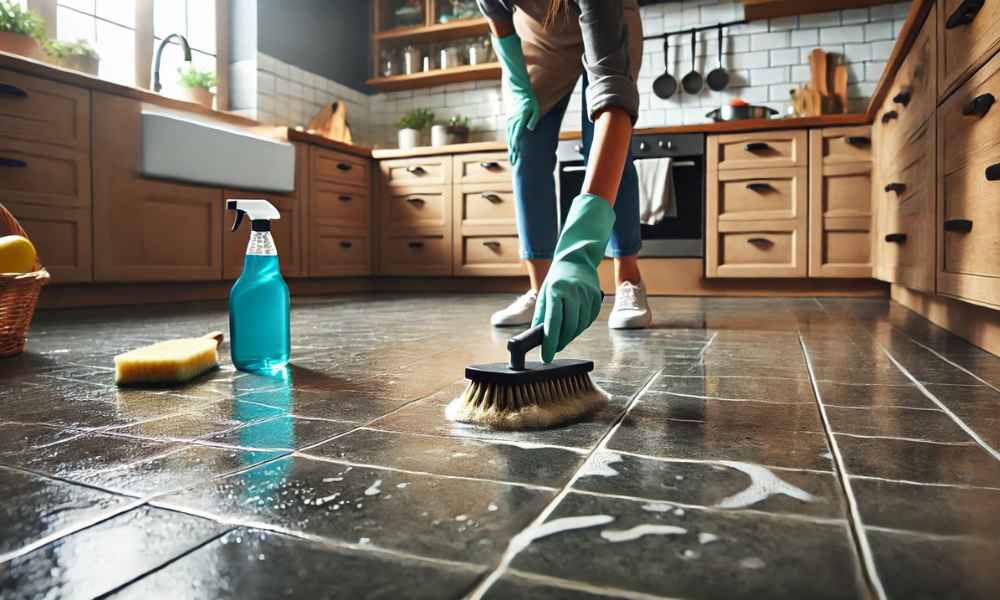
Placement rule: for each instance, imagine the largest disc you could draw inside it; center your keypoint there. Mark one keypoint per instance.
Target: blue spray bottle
(259, 332)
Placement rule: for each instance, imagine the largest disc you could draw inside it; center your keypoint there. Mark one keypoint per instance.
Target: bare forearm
(612, 134)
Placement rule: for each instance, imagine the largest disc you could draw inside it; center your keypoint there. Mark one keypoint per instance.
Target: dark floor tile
(528, 586)
(916, 567)
(923, 462)
(883, 374)
(282, 433)
(699, 554)
(180, 468)
(427, 416)
(80, 457)
(463, 457)
(930, 425)
(977, 406)
(258, 564)
(873, 396)
(933, 509)
(182, 427)
(656, 407)
(101, 558)
(723, 484)
(35, 507)
(17, 438)
(778, 390)
(454, 519)
(722, 366)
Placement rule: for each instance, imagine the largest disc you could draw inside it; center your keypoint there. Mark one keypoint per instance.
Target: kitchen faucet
(157, 86)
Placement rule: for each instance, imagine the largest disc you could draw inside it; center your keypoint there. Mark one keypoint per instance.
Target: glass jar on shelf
(412, 61)
(430, 58)
(389, 62)
(480, 51)
(406, 13)
(455, 10)
(450, 56)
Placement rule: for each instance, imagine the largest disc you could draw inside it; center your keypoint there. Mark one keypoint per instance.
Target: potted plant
(411, 125)
(197, 86)
(455, 131)
(79, 56)
(21, 31)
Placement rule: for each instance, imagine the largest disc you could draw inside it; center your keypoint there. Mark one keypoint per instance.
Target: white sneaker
(519, 312)
(631, 310)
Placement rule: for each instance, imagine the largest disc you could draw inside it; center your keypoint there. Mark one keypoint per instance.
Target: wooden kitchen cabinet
(968, 34)
(144, 229)
(339, 188)
(62, 238)
(41, 111)
(840, 216)
(288, 234)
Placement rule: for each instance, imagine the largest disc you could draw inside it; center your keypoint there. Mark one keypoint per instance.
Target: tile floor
(799, 448)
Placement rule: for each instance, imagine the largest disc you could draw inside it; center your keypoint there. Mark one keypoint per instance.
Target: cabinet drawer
(43, 174)
(40, 110)
(434, 170)
(761, 194)
(486, 205)
(758, 150)
(914, 91)
(840, 220)
(760, 249)
(416, 255)
(339, 252)
(339, 169)
(62, 238)
(966, 42)
(913, 172)
(838, 145)
(489, 256)
(483, 168)
(424, 208)
(971, 118)
(339, 206)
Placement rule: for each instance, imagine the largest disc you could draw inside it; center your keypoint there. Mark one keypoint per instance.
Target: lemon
(17, 255)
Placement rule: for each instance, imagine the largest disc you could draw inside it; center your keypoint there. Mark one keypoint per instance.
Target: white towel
(656, 190)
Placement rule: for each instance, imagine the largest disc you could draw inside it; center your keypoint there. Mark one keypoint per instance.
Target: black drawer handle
(964, 14)
(958, 225)
(492, 245)
(758, 187)
(12, 163)
(345, 166)
(889, 116)
(13, 91)
(979, 106)
(344, 198)
(903, 97)
(993, 172)
(896, 238)
(756, 147)
(490, 196)
(758, 241)
(345, 244)
(858, 140)
(490, 166)
(899, 188)
(416, 245)
(416, 170)
(417, 202)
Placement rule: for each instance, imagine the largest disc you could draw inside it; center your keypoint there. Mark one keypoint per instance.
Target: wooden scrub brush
(527, 395)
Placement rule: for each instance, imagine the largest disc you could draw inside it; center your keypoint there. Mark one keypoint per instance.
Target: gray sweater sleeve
(606, 57)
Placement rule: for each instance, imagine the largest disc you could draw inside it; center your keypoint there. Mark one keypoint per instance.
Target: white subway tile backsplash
(878, 31)
(787, 56)
(857, 52)
(827, 19)
(882, 50)
(841, 35)
(769, 76)
(856, 15)
(784, 24)
(769, 41)
(805, 37)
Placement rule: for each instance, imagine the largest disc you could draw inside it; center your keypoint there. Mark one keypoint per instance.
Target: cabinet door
(144, 229)
(339, 252)
(287, 232)
(839, 206)
(758, 249)
(62, 238)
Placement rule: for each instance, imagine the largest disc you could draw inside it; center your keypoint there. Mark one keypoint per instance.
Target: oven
(680, 236)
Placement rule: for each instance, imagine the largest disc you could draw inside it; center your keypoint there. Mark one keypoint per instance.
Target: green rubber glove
(525, 112)
(570, 298)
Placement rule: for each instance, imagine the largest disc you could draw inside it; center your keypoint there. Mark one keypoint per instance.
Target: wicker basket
(18, 295)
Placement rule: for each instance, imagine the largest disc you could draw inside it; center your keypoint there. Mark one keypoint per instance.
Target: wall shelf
(436, 33)
(485, 72)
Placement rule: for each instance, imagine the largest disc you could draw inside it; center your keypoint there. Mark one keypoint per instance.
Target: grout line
(708, 461)
(512, 547)
(699, 397)
(901, 439)
(940, 537)
(494, 441)
(958, 421)
(872, 408)
(854, 513)
(586, 588)
(961, 486)
(946, 359)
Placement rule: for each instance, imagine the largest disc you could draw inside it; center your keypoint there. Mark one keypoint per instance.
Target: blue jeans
(535, 190)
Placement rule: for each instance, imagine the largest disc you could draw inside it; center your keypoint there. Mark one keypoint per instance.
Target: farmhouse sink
(181, 147)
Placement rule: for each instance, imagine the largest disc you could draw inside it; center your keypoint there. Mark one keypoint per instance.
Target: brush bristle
(528, 406)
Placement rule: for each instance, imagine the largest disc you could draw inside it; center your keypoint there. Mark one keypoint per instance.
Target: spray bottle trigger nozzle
(231, 205)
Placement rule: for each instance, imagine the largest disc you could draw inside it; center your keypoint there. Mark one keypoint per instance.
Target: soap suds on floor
(375, 488)
(659, 507)
(524, 539)
(763, 484)
(707, 538)
(600, 465)
(752, 563)
(627, 535)
(493, 507)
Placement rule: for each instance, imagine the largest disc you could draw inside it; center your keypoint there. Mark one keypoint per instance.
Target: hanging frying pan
(718, 79)
(693, 81)
(665, 85)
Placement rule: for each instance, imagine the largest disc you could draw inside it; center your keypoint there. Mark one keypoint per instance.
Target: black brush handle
(522, 343)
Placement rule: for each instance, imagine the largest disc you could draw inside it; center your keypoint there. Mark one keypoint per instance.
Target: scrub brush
(173, 361)
(531, 395)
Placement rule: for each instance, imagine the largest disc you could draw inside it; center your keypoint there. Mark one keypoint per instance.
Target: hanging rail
(661, 36)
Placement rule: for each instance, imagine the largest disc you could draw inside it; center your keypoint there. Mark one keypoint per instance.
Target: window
(109, 26)
(195, 20)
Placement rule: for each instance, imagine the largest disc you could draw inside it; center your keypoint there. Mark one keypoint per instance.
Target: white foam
(332, 479)
(524, 539)
(493, 507)
(707, 538)
(600, 465)
(638, 531)
(763, 484)
(752, 563)
(659, 507)
(375, 488)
